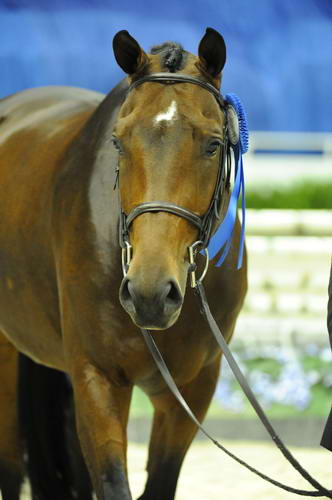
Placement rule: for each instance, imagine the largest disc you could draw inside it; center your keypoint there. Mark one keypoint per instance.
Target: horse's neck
(103, 199)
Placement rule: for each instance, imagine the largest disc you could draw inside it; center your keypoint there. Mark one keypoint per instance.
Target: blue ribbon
(224, 234)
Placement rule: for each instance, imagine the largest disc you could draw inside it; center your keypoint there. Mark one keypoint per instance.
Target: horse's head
(169, 140)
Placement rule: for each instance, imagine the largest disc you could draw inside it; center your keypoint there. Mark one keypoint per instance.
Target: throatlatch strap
(320, 490)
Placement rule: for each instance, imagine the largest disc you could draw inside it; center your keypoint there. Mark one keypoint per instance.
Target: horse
(74, 165)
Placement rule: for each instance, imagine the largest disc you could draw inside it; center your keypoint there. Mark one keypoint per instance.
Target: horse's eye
(117, 144)
(212, 147)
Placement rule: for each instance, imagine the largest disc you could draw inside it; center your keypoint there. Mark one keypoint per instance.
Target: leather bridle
(206, 223)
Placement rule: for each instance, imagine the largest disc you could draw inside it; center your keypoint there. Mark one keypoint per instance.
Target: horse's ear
(128, 54)
(212, 53)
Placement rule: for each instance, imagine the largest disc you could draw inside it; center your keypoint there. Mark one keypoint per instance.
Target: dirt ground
(208, 474)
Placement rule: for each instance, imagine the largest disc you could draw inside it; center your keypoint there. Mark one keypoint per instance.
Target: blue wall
(279, 51)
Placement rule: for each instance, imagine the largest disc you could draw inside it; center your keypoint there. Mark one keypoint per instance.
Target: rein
(320, 490)
(222, 238)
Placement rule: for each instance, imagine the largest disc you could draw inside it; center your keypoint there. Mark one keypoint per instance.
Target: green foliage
(303, 195)
(319, 407)
(140, 404)
(265, 365)
(315, 363)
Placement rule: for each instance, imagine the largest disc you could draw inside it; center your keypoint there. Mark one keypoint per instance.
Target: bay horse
(64, 301)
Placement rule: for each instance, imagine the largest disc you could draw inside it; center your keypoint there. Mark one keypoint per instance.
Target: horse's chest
(184, 357)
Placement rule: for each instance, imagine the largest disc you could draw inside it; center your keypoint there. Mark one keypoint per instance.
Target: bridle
(206, 223)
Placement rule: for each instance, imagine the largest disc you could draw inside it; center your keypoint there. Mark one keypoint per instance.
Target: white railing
(288, 276)
(319, 142)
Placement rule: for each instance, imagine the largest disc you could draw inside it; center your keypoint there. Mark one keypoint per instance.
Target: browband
(171, 78)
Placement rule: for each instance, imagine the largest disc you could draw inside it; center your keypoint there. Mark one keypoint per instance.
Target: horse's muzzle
(156, 308)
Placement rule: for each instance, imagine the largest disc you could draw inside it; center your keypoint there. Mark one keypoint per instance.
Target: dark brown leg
(173, 433)
(11, 478)
(54, 462)
(11, 463)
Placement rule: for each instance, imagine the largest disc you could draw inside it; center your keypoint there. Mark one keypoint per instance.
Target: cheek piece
(238, 137)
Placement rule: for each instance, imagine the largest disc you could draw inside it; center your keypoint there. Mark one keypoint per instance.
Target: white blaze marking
(168, 115)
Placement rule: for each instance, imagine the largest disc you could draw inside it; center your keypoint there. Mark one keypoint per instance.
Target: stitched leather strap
(320, 490)
(172, 78)
(161, 206)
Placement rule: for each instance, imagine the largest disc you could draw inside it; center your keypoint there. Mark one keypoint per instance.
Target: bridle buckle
(192, 251)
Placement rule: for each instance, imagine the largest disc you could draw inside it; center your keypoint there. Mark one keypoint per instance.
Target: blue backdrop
(279, 51)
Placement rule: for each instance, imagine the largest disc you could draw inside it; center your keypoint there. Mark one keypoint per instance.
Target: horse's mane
(172, 55)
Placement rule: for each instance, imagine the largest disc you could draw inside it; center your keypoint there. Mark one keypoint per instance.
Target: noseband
(204, 223)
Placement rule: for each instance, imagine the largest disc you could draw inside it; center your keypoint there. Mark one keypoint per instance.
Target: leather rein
(205, 224)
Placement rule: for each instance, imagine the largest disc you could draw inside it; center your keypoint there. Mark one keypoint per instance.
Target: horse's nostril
(125, 295)
(173, 297)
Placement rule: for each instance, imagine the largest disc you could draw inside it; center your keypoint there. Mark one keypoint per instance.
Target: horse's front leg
(173, 432)
(102, 413)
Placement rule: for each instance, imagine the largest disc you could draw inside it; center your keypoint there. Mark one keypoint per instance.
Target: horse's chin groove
(155, 327)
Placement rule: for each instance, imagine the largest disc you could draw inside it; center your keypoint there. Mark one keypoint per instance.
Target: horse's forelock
(172, 56)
